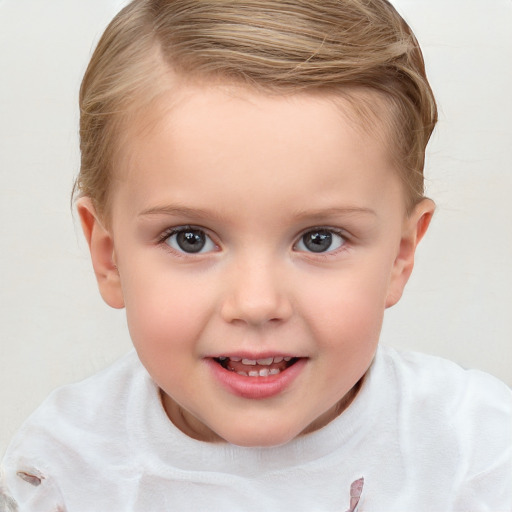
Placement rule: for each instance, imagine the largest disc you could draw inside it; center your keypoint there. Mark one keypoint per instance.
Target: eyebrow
(313, 214)
(201, 213)
(176, 211)
(335, 212)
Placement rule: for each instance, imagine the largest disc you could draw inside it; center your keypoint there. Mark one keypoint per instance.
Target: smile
(265, 367)
(258, 378)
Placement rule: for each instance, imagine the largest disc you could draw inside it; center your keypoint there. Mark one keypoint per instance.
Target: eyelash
(168, 233)
(344, 238)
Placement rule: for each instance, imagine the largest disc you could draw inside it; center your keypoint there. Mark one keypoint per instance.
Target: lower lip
(256, 387)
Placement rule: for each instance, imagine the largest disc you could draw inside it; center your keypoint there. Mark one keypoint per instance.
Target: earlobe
(414, 228)
(101, 247)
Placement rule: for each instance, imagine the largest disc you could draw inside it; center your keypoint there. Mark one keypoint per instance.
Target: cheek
(346, 307)
(166, 313)
(346, 329)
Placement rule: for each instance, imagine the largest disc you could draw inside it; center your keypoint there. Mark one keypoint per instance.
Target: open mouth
(266, 367)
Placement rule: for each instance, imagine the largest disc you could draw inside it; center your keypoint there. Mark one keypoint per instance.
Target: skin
(254, 173)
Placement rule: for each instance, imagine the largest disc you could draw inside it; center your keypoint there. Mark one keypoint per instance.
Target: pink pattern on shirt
(356, 489)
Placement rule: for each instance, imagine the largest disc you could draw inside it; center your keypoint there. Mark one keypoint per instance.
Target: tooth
(254, 374)
(278, 359)
(250, 362)
(287, 359)
(274, 371)
(242, 373)
(265, 372)
(222, 358)
(266, 362)
(236, 359)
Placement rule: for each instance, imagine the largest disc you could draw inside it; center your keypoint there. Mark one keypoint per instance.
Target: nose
(256, 295)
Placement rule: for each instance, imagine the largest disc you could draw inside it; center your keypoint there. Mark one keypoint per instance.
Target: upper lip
(255, 357)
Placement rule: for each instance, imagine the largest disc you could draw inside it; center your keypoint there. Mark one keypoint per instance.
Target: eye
(320, 240)
(189, 240)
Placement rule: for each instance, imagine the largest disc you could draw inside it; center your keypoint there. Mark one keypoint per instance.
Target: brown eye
(320, 240)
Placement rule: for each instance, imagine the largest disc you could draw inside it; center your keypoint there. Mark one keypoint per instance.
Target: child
(251, 191)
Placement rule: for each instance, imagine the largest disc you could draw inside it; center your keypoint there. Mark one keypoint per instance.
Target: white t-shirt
(424, 434)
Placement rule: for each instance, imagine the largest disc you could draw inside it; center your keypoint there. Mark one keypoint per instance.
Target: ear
(101, 247)
(414, 227)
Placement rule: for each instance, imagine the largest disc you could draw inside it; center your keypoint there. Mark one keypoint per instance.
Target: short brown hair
(276, 46)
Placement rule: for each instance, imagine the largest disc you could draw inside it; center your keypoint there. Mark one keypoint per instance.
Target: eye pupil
(191, 240)
(317, 241)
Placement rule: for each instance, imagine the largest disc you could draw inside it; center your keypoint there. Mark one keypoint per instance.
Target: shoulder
(74, 430)
(86, 402)
(83, 405)
(435, 380)
(458, 420)
(445, 389)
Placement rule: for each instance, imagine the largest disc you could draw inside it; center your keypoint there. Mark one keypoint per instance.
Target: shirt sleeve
(485, 434)
(24, 488)
(490, 490)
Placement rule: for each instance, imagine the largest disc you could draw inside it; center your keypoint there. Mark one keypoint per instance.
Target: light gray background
(54, 328)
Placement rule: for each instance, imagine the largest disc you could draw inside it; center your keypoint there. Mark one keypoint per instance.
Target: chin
(250, 438)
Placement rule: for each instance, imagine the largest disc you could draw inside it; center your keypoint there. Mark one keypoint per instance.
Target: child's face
(246, 227)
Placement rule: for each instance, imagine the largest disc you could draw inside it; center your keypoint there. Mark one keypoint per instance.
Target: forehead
(232, 138)
(181, 102)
